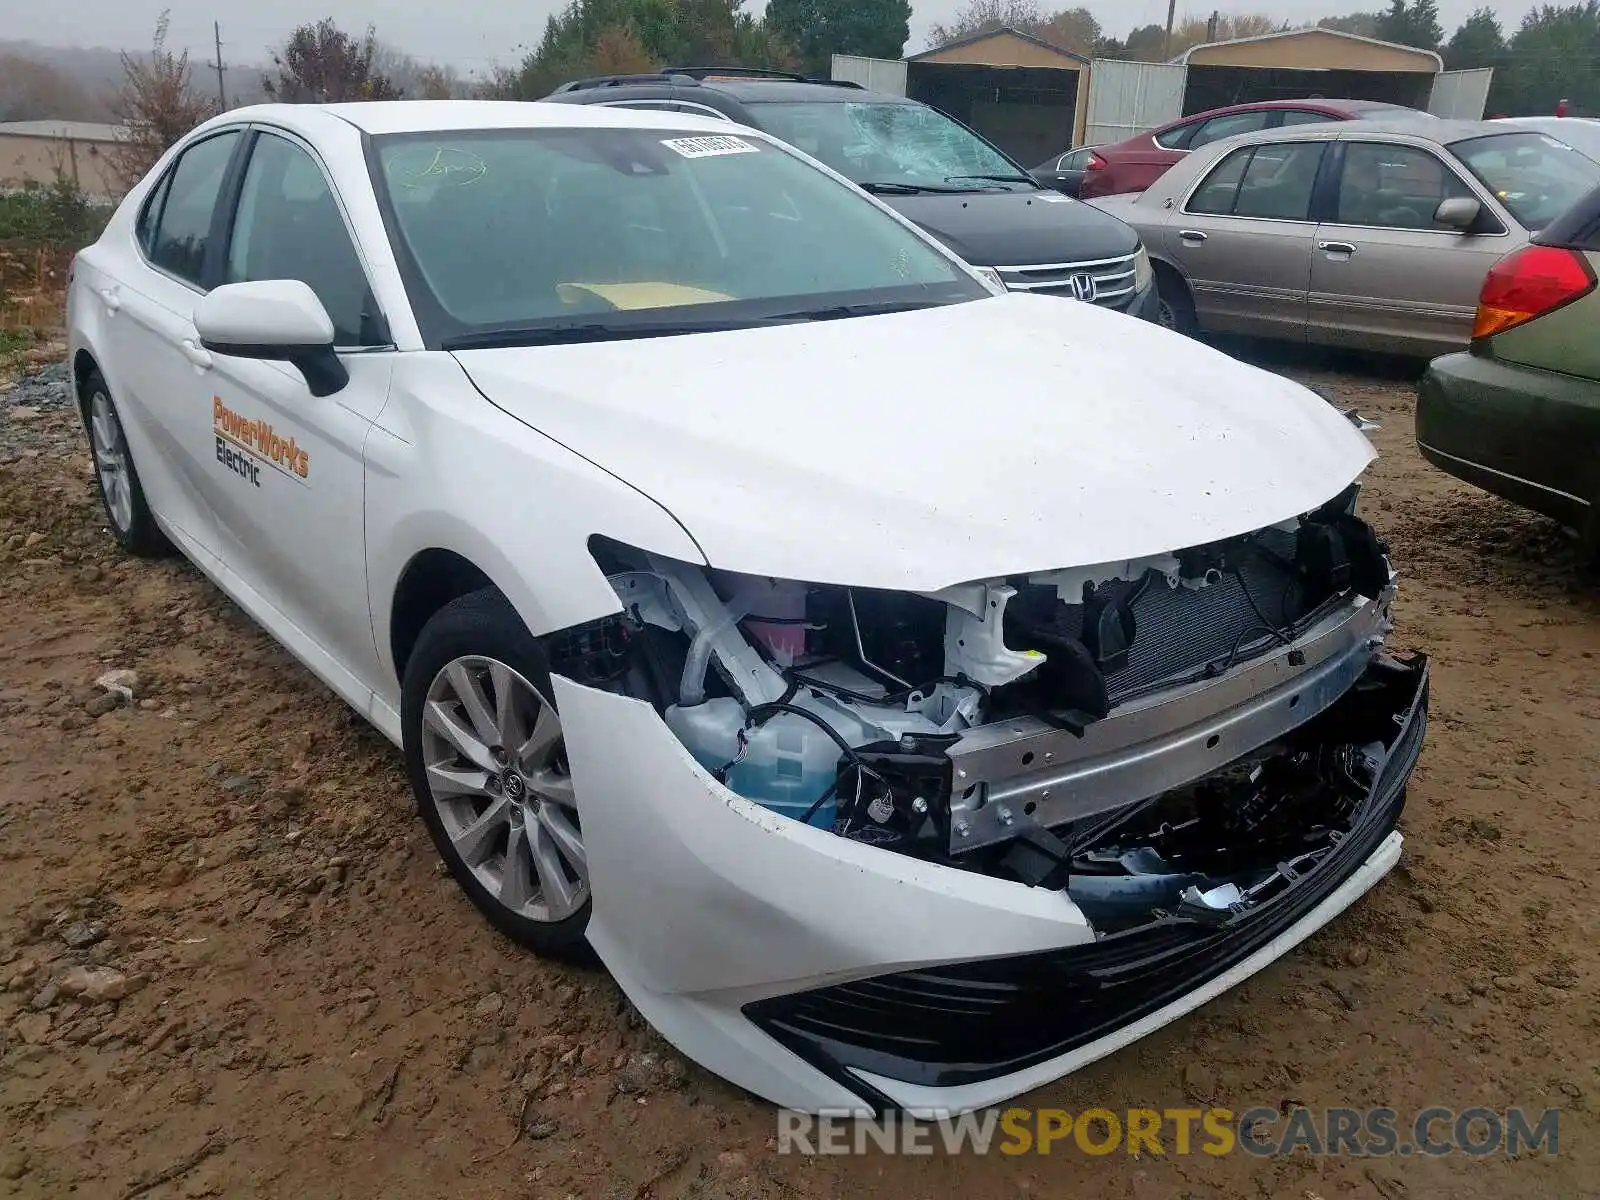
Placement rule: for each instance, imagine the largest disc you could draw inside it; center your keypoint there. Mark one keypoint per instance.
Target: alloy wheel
(498, 777)
(111, 460)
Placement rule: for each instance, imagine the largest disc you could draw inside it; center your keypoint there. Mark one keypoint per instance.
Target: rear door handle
(1336, 247)
(110, 298)
(198, 355)
(1191, 235)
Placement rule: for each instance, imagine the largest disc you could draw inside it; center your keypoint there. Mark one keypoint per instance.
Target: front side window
(289, 226)
(1218, 128)
(897, 145)
(1536, 177)
(181, 233)
(1271, 182)
(1394, 187)
(584, 233)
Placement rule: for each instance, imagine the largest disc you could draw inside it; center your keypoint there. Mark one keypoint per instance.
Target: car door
(286, 478)
(1385, 275)
(1243, 238)
(155, 359)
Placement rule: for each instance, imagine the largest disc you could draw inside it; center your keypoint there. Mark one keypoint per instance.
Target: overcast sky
(474, 34)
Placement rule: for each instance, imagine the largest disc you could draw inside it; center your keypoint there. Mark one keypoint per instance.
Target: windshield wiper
(904, 189)
(836, 312)
(569, 332)
(1028, 179)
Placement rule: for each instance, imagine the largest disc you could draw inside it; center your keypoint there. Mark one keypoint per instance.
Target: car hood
(920, 450)
(1006, 229)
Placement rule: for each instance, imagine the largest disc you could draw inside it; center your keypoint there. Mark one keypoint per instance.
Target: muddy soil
(230, 966)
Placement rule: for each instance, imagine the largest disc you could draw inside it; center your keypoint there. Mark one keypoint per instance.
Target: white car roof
(427, 116)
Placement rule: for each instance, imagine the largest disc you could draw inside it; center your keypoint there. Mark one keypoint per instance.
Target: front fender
(446, 469)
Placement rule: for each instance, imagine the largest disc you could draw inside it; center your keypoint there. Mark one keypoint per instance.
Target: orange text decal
(259, 438)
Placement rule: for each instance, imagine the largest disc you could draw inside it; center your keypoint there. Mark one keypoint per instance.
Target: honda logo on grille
(1085, 288)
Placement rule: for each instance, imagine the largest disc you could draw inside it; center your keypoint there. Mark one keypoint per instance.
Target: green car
(1518, 413)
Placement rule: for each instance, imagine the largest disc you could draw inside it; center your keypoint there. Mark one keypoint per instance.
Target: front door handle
(1336, 247)
(198, 355)
(110, 298)
(1191, 235)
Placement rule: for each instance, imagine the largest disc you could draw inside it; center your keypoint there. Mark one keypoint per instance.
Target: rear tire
(121, 494)
(1174, 304)
(487, 763)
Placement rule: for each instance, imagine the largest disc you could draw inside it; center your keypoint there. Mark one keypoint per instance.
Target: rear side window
(1177, 137)
(1301, 116)
(1272, 182)
(1217, 194)
(1220, 127)
(146, 229)
(188, 197)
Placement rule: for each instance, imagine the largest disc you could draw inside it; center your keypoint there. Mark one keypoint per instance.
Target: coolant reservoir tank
(788, 763)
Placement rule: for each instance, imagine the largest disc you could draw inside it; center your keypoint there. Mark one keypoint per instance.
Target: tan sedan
(1370, 235)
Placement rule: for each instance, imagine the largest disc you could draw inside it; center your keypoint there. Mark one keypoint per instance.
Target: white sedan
(911, 691)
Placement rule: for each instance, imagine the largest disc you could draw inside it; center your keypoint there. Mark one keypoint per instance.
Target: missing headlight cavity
(1010, 726)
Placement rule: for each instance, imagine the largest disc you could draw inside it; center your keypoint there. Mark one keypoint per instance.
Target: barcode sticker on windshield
(710, 146)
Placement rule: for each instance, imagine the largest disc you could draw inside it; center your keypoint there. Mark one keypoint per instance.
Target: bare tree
(984, 16)
(322, 64)
(155, 107)
(414, 77)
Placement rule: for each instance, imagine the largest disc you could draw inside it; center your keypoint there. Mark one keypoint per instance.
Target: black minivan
(933, 170)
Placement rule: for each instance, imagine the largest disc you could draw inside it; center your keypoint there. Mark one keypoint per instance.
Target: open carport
(1020, 92)
(1304, 64)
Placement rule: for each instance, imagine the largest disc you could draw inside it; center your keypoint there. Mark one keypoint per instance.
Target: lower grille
(1108, 281)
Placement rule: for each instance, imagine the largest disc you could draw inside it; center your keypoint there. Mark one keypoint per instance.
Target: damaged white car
(911, 691)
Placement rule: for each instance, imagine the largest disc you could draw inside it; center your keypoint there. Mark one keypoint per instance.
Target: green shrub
(54, 214)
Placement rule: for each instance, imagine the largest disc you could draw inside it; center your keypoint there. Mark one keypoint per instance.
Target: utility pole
(1166, 42)
(219, 66)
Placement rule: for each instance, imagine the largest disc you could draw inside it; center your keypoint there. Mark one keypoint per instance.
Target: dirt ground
(286, 997)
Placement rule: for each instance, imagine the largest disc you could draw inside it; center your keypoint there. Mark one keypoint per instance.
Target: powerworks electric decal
(244, 445)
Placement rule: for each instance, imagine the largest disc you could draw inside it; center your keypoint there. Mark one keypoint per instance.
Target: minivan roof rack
(704, 73)
(693, 76)
(742, 72)
(600, 81)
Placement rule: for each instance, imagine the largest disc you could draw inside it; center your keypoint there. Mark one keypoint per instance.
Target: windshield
(1582, 135)
(899, 145)
(1536, 177)
(603, 230)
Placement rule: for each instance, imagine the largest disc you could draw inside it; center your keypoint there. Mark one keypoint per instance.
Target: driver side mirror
(278, 320)
(1459, 213)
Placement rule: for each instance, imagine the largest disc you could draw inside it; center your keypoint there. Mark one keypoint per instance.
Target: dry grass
(33, 291)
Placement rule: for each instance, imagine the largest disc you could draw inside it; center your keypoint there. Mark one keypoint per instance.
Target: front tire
(487, 762)
(1174, 305)
(121, 494)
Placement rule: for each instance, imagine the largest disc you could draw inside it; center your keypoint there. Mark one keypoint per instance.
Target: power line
(218, 65)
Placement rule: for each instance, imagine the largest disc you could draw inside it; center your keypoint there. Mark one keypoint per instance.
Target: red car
(1134, 164)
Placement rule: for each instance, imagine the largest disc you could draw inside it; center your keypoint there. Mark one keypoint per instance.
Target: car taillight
(1095, 163)
(1528, 283)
